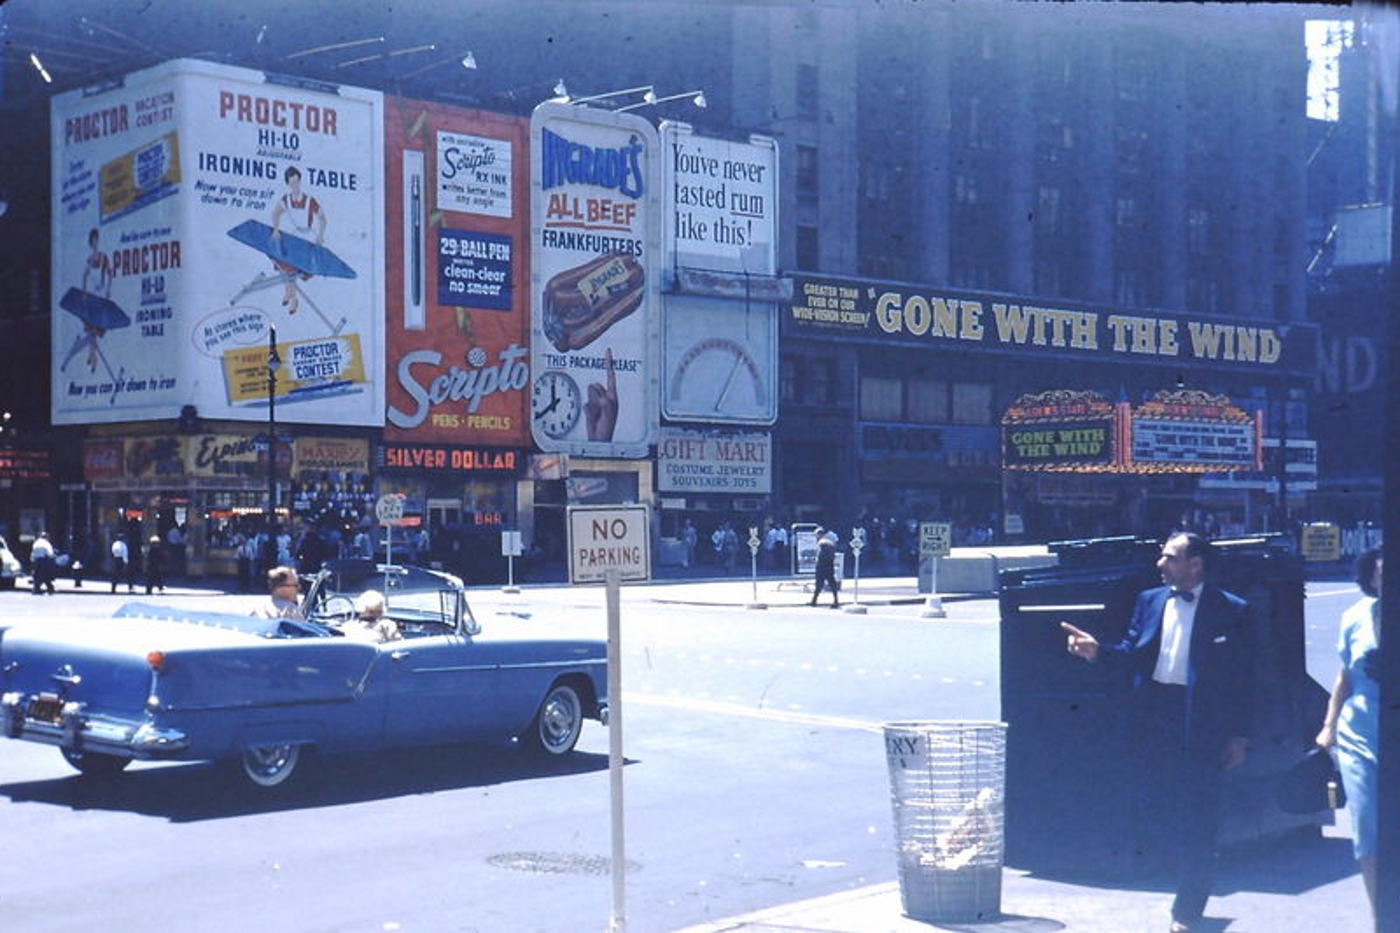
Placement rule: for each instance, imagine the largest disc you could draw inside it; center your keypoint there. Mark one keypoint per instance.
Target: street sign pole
(753, 567)
(615, 760)
(857, 545)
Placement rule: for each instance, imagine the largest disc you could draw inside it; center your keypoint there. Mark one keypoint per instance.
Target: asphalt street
(756, 795)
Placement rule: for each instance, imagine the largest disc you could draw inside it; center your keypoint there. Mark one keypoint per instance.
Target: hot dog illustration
(582, 302)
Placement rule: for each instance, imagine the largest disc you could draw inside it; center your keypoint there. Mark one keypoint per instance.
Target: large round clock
(556, 402)
(717, 376)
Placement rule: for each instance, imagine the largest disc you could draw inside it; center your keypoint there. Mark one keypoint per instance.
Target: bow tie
(1185, 596)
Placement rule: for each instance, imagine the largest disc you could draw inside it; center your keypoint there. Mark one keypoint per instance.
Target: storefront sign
(103, 459)
(841, 309)
(25, 464)
(695, 462)
(1065, 442)
(950, 445)
(1191, 431)
(229, 455)
(332, 454)
(454, 459)
(1320, 541)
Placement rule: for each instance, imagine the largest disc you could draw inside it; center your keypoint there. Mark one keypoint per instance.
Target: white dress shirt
(1178, 620)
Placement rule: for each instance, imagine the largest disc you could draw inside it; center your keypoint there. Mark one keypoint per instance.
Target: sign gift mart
(609, 538)
(696, 461)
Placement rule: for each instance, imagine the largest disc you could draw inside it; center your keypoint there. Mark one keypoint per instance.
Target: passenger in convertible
(370, 623)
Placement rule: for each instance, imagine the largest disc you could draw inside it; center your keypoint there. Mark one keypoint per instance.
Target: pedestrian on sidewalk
(689, 536)
(1352, 723)
(42, 568)
(155, 565)
(1186, 651)
(826, 568)
(121, 564)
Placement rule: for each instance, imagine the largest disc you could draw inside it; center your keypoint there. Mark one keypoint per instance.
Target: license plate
(46, 707)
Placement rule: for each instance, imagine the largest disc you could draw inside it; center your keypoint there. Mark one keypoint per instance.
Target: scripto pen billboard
(196, 205)
(457, 208)
(594, 276)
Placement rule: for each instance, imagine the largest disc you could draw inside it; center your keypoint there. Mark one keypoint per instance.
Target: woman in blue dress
(1351, 724)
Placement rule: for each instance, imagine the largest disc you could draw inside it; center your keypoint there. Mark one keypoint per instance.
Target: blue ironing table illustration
(98, 315)
(297, 253)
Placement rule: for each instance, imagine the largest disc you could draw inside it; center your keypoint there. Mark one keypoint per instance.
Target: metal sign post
(615, 759)
(389, 510)
(935, 543)
(754, 542)
(857, 545)
(511, 548)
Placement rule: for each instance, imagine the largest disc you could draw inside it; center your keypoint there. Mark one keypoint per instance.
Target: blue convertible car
(157, 683)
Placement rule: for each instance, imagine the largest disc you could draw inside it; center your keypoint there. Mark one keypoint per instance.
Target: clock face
(556, 402)
(719, 377)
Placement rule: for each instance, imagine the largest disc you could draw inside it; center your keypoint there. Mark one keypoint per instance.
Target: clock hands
(553, 401)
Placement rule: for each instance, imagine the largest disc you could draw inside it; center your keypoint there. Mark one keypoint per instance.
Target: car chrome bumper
(80, 730)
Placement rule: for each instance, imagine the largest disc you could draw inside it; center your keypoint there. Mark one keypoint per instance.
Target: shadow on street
(217, 790)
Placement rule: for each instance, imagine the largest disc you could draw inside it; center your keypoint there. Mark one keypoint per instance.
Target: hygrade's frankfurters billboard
(594, 278)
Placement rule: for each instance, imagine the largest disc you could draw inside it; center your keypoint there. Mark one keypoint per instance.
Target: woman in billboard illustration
(306, 215)
(97, 273)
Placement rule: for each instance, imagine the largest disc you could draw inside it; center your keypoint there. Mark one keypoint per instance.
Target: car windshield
(422, 601)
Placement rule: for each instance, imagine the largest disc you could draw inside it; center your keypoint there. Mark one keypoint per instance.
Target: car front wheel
(558, 723)
(270, 765)
(95, 764)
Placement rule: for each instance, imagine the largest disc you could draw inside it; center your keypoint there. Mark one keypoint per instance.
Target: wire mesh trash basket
(947, 782)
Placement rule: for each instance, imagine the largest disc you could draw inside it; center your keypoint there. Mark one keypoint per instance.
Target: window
(1197, 230)
(975, 129)
(972, 403)
(808, 251)
(1202, 294)
(964, 189)
(1125, 212)
(1047, 278)
(821, 383)
(926, 401)
(788, 385)
(877, 180)
(808, 91)
(1127, 287)
(807, 169)
(881, 399)
(1047, 209)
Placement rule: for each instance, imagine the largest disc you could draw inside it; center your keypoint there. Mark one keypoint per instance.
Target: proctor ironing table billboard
(196, 206)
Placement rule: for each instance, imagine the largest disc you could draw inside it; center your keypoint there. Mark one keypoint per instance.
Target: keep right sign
(935, 539)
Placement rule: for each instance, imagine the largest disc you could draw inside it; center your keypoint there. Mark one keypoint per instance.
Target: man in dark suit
(1186, 653)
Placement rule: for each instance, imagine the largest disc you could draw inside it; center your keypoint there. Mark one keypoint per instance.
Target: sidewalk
(1299, 886)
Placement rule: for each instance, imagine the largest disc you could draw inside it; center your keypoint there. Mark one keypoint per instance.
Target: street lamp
(274, 363)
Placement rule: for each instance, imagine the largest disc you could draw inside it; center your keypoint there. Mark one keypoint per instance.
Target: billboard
(457, 275)
(194, 206)
(720, 328)
(594, 273)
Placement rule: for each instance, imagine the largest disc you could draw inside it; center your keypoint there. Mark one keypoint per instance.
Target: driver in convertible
(283, 592)
(370, 623)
